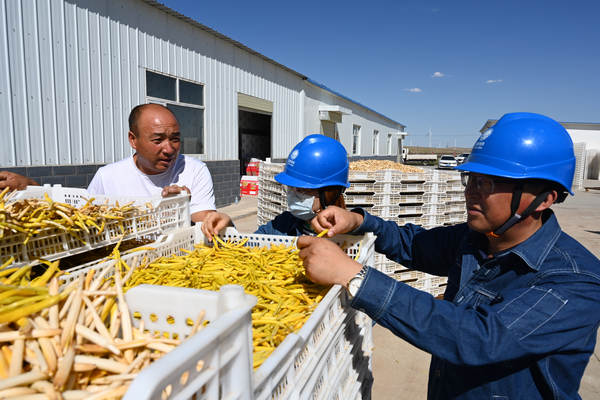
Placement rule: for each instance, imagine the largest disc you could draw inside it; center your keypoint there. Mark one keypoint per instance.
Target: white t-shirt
(123, 178)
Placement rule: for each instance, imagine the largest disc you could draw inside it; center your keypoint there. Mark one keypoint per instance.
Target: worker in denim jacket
(521, 310)
(314, 177)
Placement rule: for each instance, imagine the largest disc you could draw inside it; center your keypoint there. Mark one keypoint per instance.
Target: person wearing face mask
(314, 177)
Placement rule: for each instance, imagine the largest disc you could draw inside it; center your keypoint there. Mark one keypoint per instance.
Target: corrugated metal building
(76, 68)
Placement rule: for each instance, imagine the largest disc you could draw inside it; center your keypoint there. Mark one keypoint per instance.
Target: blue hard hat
(524, 146)
(317, 161)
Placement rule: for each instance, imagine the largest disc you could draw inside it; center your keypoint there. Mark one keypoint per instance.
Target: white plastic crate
(435, 187)
(414, 219)
(164, 215)
(397, 199)
(291, 358)
(434, 208)
(454, 186)
(268, 168)
(404, 177)
(267, 195)
(361, 187)
(275, 187)
(456, 206)
(215, 363)
(339, 368)
(396, 187)
(358, 199)
(455, 217)
(363, 175)
(455, 196)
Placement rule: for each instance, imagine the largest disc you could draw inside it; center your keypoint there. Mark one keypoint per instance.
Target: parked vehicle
(462, 158)
(448, 162)
(424, 159)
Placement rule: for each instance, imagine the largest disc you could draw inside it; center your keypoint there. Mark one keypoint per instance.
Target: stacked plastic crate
(579, 176)
(271, 196)
(456, 209)
(426, 198)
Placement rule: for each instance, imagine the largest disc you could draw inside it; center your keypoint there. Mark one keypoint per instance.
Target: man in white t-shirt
(156, 167)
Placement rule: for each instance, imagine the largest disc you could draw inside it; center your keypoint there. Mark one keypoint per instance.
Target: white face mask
(299, 208)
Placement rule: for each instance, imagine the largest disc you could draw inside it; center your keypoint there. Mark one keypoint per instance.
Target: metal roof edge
(352, 101)
(205, 28)
(586, 126)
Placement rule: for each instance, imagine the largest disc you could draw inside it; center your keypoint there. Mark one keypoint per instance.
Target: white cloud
(437, 75)
(494, 80)
(414, 90)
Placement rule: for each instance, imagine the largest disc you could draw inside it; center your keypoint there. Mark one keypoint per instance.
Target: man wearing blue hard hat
(314, 177)
(520, 314)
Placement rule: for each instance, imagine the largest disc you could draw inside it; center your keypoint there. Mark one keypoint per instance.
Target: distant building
(586, 140)
(76, 68)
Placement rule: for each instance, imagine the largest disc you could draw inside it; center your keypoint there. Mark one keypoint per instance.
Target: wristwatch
(354, 283)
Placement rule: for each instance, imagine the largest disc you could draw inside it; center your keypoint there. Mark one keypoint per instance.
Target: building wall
(75, 69)
(366, 119)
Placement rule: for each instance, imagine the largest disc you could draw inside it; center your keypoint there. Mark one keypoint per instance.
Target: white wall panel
(74, 89)
(61, 96)
(88, 76)
(49, 141)
(7, 150)
(85, 83)
(16, 61)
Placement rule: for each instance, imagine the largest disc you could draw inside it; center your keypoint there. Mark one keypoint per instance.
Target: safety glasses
(484, 183)
(302, 194)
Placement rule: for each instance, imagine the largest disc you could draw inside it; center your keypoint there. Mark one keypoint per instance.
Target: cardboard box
(249, 185)
(252, 168)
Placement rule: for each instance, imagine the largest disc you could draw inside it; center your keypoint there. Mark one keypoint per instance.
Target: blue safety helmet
(524, 146)
(316, 162)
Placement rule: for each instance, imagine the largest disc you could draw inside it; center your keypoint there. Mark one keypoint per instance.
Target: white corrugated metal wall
(366, 119)
(76, 68)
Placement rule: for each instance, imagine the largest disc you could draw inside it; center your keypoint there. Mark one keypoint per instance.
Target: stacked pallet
(424, 198)
(579, 149)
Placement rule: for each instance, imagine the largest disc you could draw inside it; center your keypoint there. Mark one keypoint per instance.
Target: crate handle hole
(166, 392)
(184, 377)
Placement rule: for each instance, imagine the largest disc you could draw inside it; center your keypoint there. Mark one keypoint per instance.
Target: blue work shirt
(285, 224)
(519, 325)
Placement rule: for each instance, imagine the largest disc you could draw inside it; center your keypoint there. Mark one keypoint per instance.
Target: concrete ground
(400, 369)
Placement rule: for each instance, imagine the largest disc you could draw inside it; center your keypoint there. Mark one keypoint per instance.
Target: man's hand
(337, 220)
(325, 263)
(15, 181)
(213, 223)
(174, 189)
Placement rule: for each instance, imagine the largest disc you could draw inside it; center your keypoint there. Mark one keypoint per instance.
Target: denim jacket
(520, 325)
(284, 224)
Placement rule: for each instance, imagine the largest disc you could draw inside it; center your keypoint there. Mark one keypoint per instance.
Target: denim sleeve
(529, 322)
(432, 251)
(284, 224)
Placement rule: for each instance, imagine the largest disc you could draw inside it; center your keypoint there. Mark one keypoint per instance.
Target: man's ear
(550, 199)
(132, 140)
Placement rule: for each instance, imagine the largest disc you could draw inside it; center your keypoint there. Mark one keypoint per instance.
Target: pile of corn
(58, 345)
(286, 297)
(30, 216)
(382, 165)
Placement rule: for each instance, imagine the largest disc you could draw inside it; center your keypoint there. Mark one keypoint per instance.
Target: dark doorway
(254, 137)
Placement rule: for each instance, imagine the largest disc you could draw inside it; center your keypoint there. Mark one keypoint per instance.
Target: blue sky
(451, 65)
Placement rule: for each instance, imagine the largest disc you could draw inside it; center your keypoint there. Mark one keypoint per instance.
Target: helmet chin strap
(514, 206)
